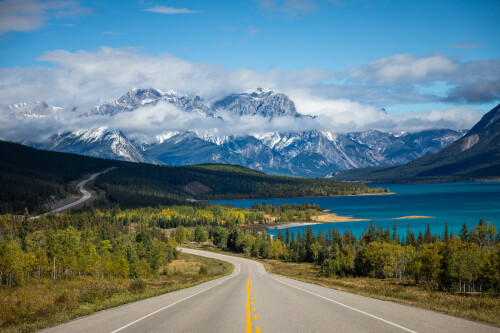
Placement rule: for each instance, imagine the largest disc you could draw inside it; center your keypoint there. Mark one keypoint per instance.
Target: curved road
(251, 300)
(86, 194)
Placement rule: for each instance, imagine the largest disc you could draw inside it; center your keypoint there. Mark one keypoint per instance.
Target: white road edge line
(346, 306)
(168, 306)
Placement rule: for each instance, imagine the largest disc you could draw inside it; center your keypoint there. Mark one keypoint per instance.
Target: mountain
(96, 142)
(474, 156)
(307, 154)
(313, 153)
(32, 110)
(404, 147)
(137, 98)
(262, 102)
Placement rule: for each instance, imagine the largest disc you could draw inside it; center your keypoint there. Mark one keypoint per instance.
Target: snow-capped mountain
(96, 142)
(403, 147)
(137, 98)
(263, 102)
(308, 153)
(33, 110)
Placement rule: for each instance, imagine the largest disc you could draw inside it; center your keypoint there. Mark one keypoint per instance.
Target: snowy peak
(137, 98)
(32, 109)
(262, 102)
(97, 142)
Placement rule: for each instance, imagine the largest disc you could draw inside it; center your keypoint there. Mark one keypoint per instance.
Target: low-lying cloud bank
(342, 102)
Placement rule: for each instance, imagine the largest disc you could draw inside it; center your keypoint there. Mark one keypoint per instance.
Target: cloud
(341, 101)
(29, 15)
(465, 46)
(171, 10)
(479, 92)
(405, 68)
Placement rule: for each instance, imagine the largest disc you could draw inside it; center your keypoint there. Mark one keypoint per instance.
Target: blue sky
(289, 34)
(331, 56)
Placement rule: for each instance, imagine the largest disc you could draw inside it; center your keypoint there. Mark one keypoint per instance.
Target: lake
(455, 203)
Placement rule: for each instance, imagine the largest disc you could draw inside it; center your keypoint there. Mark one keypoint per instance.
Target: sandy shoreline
(331, 218)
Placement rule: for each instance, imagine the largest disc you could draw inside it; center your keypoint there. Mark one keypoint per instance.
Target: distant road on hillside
(86, 194)
(251, 300)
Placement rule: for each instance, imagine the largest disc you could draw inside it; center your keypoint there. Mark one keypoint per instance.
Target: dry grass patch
(34, 306)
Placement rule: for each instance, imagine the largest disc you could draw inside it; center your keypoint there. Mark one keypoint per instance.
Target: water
(455, 203)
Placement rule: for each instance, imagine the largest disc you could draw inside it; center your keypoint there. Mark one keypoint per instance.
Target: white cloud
(29, 15)
(171, 10)
(404, 68)
(85, 79)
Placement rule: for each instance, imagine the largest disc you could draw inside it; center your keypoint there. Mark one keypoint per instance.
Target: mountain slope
(306, 154)
(29, 177)
(474, 156)
(96, 142)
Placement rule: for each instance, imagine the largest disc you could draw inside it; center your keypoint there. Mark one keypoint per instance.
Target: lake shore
(327, 217)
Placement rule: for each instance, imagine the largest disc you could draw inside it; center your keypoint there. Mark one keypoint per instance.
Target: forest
(134, 243)
(467, 262)
(30, 178)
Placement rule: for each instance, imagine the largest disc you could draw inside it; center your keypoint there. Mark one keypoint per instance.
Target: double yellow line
(249, 313)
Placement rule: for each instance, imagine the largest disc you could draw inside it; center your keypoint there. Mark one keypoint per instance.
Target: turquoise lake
(455, 203)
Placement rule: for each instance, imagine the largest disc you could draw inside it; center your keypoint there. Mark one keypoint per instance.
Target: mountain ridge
(308, 153)
(474, 156)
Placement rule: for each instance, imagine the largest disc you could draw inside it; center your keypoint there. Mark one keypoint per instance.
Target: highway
(86, 194)
(251, 300)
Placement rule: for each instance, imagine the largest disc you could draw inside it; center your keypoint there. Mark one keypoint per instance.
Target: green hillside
(30, 177)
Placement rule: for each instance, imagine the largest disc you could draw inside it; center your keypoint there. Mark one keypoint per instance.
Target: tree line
(467, 262)
(79, 244)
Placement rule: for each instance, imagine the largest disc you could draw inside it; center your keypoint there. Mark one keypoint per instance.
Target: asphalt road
(86, 194)
(251, 300)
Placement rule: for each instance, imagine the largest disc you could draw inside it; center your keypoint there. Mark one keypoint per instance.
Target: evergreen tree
(445, 235)
(394, 230)
(464, 233)
(428, 235)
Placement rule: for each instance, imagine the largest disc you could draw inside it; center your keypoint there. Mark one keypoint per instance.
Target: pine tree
(464, 233)
(428, 235)
(394, 230)
(445, 235)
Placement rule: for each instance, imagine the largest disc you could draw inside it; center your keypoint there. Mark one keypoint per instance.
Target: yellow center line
(249, 315)
(249, 307)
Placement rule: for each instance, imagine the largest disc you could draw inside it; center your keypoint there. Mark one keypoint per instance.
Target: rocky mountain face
(262, 102)
(138, 98)
(308, 153)
(96, 142)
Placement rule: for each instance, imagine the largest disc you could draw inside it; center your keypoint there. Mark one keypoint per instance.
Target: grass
(35, 306)
(484, 307)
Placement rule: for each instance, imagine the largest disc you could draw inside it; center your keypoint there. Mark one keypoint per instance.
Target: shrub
(203, 270)
(137, 286)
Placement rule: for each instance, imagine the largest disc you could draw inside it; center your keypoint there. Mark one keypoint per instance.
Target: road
(251, 300)
(86, 194)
